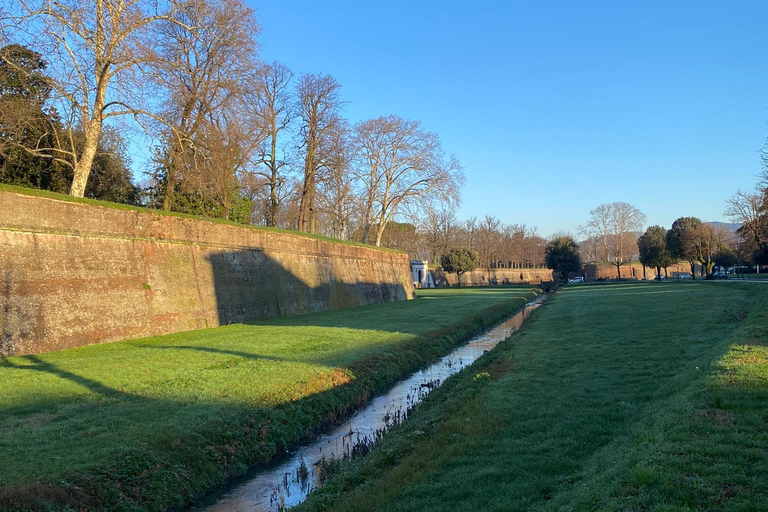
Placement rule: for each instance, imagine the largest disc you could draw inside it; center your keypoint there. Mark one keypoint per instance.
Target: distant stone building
(422, 277)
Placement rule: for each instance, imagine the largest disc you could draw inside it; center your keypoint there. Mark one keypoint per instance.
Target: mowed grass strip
(154, 423)
(618, 397)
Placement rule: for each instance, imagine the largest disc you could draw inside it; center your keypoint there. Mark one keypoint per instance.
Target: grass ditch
(155, 424)
(634, 397)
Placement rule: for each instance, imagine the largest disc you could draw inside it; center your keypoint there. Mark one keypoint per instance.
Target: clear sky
(554, 107)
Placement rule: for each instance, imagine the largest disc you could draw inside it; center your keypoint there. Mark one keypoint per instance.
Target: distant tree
(488, 240)
(319, 106)
(598, 231)
(725, 258)
(459, 261)
(205, 63)
(402, 169)
(750, 209)
(400, 235)
(111, 177)
(562, 255)
(470, 233)
(615, 225)
(273, 103)
(707, 242)
(440, 231)
(652, 247)
(680, 241)
(337, 197)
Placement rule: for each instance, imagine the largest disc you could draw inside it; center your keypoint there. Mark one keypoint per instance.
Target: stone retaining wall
(73, 274)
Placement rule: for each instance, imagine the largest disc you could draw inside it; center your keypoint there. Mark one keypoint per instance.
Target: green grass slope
(618, 397)
(154, 423)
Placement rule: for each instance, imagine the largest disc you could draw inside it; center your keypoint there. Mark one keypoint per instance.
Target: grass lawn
(626, 397)
(155, 423)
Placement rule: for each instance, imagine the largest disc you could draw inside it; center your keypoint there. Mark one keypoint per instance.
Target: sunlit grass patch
(628, 397)
(171, 416)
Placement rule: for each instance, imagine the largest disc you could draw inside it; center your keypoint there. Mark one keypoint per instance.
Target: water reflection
(287, 482)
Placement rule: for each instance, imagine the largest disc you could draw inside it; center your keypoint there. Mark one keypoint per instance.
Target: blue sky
(554, 107)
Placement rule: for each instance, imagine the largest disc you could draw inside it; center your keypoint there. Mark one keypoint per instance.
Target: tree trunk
(379, 232)
(693, 269)
(170, 187)
(658, 272)
(272, 221)
(83, 165)
(618, 269)
(306, 222)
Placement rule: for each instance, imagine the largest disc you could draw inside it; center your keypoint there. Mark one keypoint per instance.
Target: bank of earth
(632, 397)
(156, 423)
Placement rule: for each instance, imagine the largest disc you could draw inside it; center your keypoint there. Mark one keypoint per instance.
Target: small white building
(422, 278)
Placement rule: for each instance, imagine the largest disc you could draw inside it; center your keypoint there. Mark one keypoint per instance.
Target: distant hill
(728, 226)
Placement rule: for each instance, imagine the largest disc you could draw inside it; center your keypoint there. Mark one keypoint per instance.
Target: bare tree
(488, 240)
(470, 233)
(707, 241)
(598, 230)
(440, 230)
(228, 141)
(100, 49)
(615, 225)
(337, 198)
(750, 209)
(319, 106)
(204, 63)
(403, 167)
(273, 104)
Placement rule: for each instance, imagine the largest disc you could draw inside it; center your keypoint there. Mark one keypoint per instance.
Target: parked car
(660, 277)
(684, 275)
(577, 279)
(720, 275)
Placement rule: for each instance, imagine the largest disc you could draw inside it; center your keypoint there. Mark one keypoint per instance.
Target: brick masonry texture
(73, 274)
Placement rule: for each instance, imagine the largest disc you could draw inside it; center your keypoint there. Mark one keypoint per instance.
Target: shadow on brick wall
(250, 285)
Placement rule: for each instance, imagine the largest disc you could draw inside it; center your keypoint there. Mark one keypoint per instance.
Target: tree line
(233, 137)
(613, 234)
(696, 242)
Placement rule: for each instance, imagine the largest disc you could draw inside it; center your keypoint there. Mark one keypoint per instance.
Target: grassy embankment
(154, 423)
(618, 397)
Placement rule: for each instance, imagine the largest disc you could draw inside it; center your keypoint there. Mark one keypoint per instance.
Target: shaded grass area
(619, 397)
(34, 192)
(155, 423)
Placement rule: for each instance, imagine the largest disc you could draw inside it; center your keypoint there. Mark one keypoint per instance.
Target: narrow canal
(288, 481)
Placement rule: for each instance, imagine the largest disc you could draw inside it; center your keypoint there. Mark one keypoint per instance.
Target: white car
(577, 279)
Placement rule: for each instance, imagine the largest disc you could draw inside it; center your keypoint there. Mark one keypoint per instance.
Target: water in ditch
(288, 481)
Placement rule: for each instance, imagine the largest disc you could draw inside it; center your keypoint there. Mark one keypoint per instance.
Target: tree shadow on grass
(185, 439)
(39, 365)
